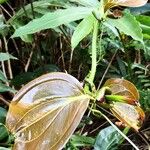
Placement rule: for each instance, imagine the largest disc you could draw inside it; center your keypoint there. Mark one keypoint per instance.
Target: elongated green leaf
(108, 139)
(5, 88)
(91, 3)
(6, 56)
(4, 132)
(82, 30)
(53, 19)
(128, 25)
(80, 141)
(45, 113)
(2, 77)
(3, 26)
(37, 5)
(3, 114)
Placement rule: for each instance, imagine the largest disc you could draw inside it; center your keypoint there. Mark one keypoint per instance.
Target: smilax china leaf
(128, 3)
(45, 112)
(131, 3)
(122, 87)
(124, 104)
(130, 115)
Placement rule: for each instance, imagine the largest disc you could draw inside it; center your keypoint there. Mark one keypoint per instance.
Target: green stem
(94, 54)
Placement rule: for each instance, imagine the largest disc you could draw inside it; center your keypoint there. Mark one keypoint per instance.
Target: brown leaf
(130, 115)
(122, 87)
(128, 111)
(128, 3)
(45, 112)
(131, 3)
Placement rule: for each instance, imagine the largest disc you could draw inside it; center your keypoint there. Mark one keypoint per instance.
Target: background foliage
(25, 56)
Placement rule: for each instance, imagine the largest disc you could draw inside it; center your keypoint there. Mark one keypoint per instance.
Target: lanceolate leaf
(82, 30)
(53, 19)
(2, 77)
(45, 113)
(128, 25)
(37, 5)
(6, 56)
(3, 113)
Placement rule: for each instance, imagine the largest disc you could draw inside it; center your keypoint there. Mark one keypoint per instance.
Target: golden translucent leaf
(130, 115)
(131, 3)
(108, 4)
(122, 87)
(45, 112)
(127, 3)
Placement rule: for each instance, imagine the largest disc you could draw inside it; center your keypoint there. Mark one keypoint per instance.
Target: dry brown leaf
(45, 112)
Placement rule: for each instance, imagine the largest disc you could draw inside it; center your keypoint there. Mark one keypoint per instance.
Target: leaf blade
(53, 99)
(129, 25)
(53, 19)
(82, 30)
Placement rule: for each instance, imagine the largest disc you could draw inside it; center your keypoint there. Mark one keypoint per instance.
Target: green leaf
(5, 88)
(108, 139)
(128, 25)
(3, 114)
(91, 3)
(37, 5)
(6, 56)
(19, 23)
(53, 19)
(144, 23)
(4, 148)
(80, 141)
(2, 77)
(3, 26)
(4, 132)
(46, 112)
(2, 1)
(82, 30)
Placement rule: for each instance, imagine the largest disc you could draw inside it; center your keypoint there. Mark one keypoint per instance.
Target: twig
(6, 11)
(29, 60)
(8, 61)
(32, 8)
(10, 7)
(98, 127)
(79, 71)
(62, 54)
(144, 138)
(107, 69)
(4, 101)
(4, 71)
(26, 14)
(70, 61)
